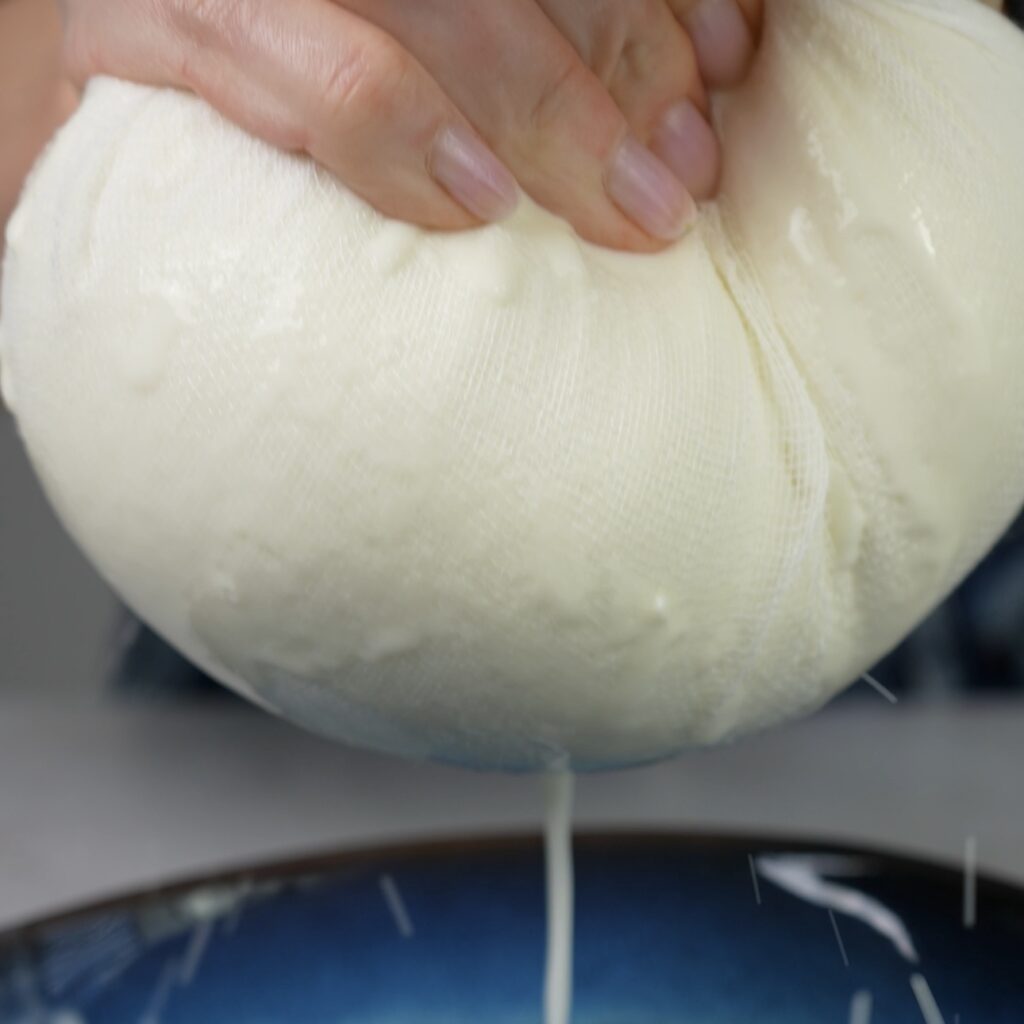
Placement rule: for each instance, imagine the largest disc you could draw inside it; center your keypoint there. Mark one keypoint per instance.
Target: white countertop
(103, 799)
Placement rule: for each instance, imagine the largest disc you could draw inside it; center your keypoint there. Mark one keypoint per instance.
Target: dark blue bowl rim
(623, 841)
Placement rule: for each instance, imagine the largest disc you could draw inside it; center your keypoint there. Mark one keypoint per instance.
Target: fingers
(636, 47)
(684, 139)
(311, 76)
(35, 99)
(545, 113)
(596, 106)
(641, 53)
(724, 34)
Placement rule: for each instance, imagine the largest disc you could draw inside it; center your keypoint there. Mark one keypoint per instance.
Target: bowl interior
(668, 929)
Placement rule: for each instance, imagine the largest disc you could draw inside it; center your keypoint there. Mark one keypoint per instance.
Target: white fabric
(505, 498)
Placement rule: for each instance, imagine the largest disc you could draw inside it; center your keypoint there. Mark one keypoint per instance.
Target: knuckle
(367, 84)
(628, 37)
(646, 14)
(607, 32)
(632, 18)
(78, 51)
(558, 94)
(199, 30)
(209, 20)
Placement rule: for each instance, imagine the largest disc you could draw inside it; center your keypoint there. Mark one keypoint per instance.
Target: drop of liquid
(392, 247)
(389, 642)
(487, 263)
(845, 517)
(565, 257)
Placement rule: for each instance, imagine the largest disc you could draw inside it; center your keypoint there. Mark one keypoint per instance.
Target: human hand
(34, 99)
(433, 110)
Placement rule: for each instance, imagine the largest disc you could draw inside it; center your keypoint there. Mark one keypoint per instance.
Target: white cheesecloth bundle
(503, 497)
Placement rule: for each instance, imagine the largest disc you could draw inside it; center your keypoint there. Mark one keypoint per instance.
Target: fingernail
(472, 174)
(648, 192)
(722, 39)
(685, 142)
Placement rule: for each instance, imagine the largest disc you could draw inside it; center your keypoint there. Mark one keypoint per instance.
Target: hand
(434, 110)
(34, 99)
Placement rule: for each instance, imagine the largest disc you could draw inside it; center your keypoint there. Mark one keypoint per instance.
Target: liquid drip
(558, 791)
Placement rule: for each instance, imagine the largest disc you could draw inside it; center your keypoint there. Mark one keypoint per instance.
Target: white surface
(96, 801)
(504, 497)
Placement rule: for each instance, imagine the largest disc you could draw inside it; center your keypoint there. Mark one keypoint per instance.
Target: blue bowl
(670, 929)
